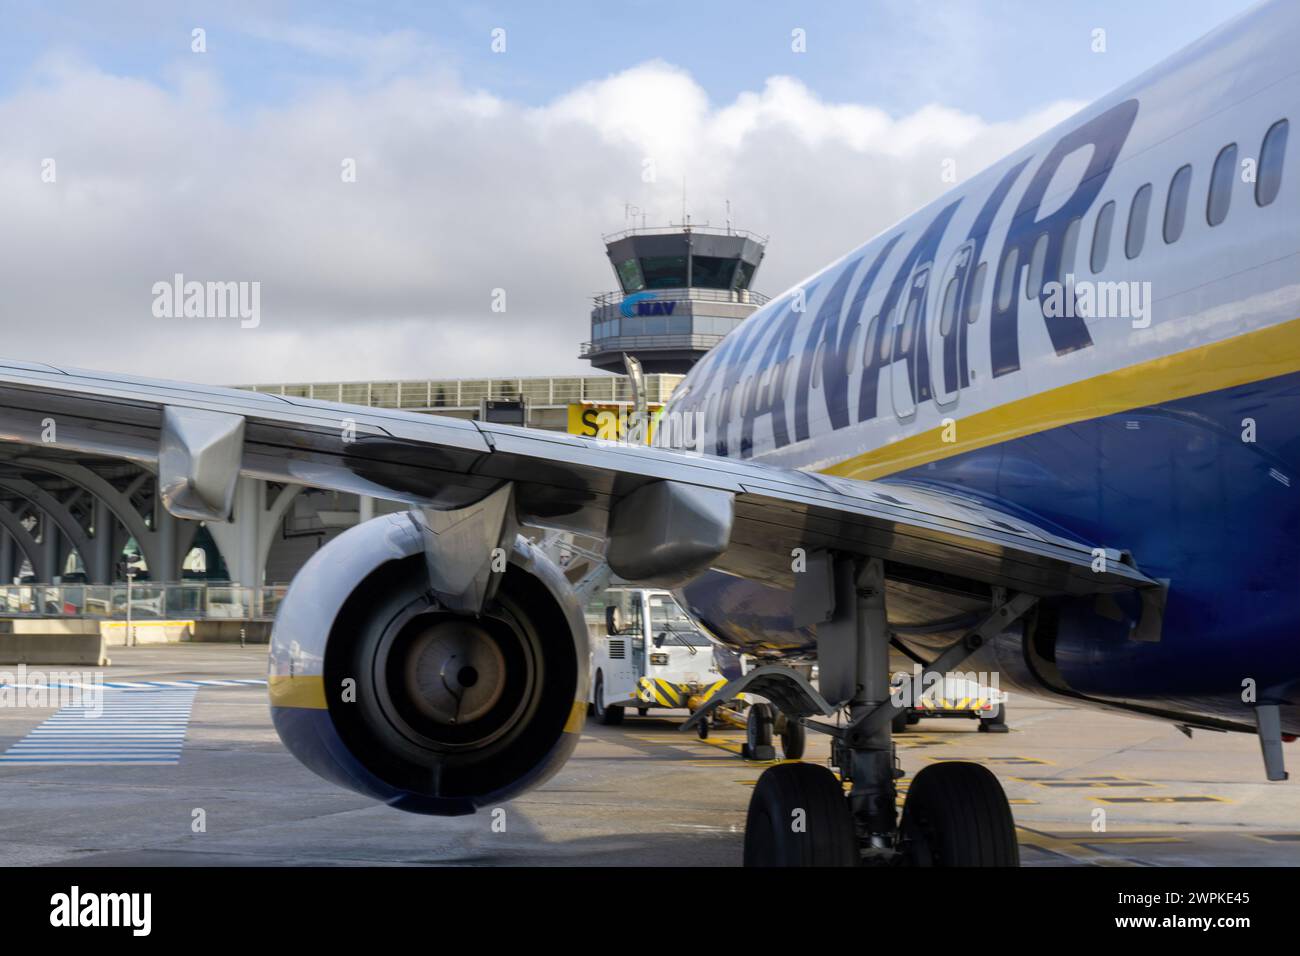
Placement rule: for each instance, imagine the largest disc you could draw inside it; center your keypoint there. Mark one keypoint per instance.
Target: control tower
(681, 289)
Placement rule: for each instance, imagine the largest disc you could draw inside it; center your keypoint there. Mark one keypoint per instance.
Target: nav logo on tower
(644, 303)
(74, 909)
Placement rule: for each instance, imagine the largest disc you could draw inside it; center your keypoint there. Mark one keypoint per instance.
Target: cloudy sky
(129, 156)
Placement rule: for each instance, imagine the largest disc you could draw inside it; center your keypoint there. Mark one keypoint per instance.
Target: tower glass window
(664, 272)
(744, 273)
(712, 272)
(629, 275)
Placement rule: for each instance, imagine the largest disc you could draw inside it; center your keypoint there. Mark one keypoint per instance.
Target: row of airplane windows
(1268, 183)
(1218, 199)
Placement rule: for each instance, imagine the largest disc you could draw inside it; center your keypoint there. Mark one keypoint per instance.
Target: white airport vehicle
(646, 652)
(954, 695)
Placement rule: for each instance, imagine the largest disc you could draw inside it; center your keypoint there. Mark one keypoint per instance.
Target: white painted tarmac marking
(137, 726)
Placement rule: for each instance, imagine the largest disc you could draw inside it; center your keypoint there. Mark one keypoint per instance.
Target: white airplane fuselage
(1100, 333)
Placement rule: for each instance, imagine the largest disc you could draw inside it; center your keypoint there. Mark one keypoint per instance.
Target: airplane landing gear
(794, 738)
(758, 734)
(762, 724)
(798, 817)
(956, 813)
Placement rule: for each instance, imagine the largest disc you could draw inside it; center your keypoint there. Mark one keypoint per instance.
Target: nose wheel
(798, 817)
(955, 813)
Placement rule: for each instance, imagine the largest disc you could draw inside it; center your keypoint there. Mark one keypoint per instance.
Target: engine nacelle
(376, 687)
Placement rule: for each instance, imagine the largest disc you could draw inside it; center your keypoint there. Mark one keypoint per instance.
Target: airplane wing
(664, 514)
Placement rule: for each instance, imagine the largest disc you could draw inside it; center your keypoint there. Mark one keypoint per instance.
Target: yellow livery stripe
(1253, 357)
(304, 690)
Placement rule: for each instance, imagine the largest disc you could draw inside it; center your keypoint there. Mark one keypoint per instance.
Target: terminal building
(76, 534)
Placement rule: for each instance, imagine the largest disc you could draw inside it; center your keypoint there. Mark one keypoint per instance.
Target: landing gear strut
(956, 814)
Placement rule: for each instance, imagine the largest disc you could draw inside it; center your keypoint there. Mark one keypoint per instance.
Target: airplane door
(909, 323)
(947, 332)
(641, 616)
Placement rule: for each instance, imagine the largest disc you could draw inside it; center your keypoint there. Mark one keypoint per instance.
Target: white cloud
(458, 192)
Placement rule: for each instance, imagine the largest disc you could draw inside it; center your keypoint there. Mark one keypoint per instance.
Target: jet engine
(381, 687)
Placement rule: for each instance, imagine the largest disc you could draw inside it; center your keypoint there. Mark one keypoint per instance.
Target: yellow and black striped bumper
(662, 693)
(963, 705)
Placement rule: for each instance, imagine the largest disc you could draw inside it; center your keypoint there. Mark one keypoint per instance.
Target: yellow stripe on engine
(301, 690)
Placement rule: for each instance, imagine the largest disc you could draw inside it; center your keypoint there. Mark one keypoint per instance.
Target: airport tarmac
(635, 795)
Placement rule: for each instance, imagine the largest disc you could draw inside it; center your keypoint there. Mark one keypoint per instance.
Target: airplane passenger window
(1176, 203)
(1069, 245)
(1225, 168)
(1137, 222)
(949, 310)
(817, 365)
(1037, 259)
(975, 294)
(853, 345)
(872, 329)
(1101, 237)
(1268, 180)
(909, 322)
(1007, 279)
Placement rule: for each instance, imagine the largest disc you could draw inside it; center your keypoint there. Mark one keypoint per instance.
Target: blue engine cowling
(377, 688)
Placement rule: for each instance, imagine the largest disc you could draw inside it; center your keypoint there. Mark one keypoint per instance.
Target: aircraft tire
(956, 814)
(997, 723)
(609, 716)
(811, 795)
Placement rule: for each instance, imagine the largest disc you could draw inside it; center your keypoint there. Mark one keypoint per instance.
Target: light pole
(130, 631)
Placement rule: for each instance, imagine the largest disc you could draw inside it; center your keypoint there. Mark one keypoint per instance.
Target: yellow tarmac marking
(1073, 849)
(1067, 783)
(1196, 799)
(1001, 761)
